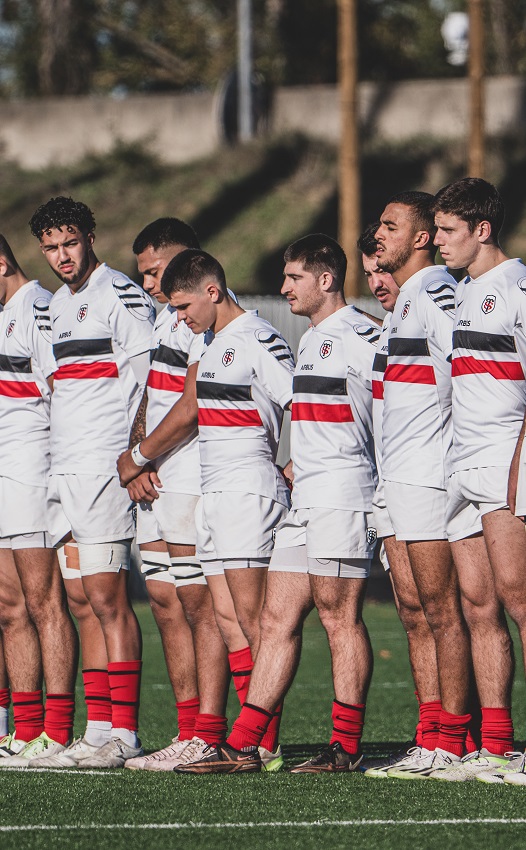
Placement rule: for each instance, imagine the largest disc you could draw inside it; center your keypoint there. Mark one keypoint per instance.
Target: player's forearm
(138, 430)
(176, 427)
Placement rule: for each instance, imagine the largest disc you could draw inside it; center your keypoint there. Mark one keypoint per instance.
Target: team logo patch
(371, 535)
(134, 299)
(228, 357)
(325, 348)
(82, 313)
(274, 343)
(405, 309)
(175, 325)
(488, 305)
(10, 328)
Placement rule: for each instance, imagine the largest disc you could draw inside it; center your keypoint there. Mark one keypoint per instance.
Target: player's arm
(138, 429)
(514, 470)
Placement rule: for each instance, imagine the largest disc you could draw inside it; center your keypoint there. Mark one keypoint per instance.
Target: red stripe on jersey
(82, 371)
(164, 381)
(231, 418)
(502, 370)
(304, 412)
(378, 389)
(19, 389)
(410, 374)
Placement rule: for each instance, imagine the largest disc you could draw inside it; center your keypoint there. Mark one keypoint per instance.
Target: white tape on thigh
(154, 563)
(187, 570)
(104, 557)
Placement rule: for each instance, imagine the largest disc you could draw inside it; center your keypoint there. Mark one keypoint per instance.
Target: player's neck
(330, 306)
(489, 257)
(94, 264)
(227, 311)
(416, 263)
(13, 282)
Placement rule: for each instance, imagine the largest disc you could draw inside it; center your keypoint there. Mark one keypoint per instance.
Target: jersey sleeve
(438, 304)
(360, 348)
(196, 346)
(39, 337)
(131, 316)
(273, 364)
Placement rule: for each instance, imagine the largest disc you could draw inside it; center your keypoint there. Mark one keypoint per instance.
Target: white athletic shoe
(194, 751)
(165, 759)
(470, 767)
(381, 767)
(115, 753)
(514, 764)
(70, 757)
(517, 777)
(421, 767)
(10, 745)
(43, 745)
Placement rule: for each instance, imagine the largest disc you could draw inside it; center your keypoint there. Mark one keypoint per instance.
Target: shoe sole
(376, 772)
(406, 775)
(218, 767)
(273, 766)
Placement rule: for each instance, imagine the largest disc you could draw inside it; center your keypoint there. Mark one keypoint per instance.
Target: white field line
(73, 771)
(263, 825)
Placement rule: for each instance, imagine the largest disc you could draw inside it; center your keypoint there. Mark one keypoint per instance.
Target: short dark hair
(6, 251)
(163, 233)
(367, 243)
(189, 269)
(421, 206)
(59, 212)
(473, 200)
(319, 253)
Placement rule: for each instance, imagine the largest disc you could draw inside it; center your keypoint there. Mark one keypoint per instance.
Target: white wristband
(137, 457)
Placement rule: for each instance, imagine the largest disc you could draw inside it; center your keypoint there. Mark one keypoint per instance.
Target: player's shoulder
(116, 286)
(266, 336)
(361, 326)
(437, 288)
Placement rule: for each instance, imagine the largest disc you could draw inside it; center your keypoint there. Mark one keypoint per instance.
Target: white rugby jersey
(489, 356)
(26, 360)
(417, 429)
(331, 429)
(95, 332)
(244, 382)
(379, 367)
(174, 348)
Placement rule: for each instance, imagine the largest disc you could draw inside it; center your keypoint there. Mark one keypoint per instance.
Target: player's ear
(483, 231)
(213, 291)
(90, 238)
(4, 266)
(325, 280)
(422, 238)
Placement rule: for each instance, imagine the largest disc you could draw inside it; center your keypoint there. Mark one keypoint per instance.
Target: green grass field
(129, 809)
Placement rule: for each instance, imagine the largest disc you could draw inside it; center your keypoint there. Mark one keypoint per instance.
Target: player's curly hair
(367, 243)
(59, 212)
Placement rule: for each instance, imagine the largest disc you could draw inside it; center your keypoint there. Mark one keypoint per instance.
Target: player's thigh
(39, 571)
(401, 573)
(506, 542)
(475, 573)
(288, 600)
(247, 587)
(10, 588)
(433, 569)
(341, 598)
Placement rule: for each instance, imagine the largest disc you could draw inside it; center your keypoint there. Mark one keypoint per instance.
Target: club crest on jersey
(371, 535)
(175, 325)
(82, 313)
(10, 328)
(326, 348)
(228, 357)
(405, 309)
(489, 303)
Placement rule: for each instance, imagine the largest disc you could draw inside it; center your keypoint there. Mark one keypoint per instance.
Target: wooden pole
(349, 158)
(244, 69)
(476, 89)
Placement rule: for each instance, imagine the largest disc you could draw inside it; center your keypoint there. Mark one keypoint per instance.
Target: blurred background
(255, 120)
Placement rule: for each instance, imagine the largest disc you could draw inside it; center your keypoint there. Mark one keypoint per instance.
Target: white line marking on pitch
(265, 825)
(73, 771)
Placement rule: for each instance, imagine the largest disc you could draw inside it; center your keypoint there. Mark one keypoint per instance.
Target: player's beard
(75, 277)
(396, 261)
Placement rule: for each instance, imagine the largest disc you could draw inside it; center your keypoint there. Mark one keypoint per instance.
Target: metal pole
(349, 160)
(476, 88)
(244, 69)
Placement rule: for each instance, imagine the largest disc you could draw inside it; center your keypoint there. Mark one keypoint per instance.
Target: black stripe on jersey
(442, 294)
(380, 363)
(408, 347)
(82, 348)
(319, 385)
(223, 392)
(15, 364)
(370, 334)
(478, 341)
(169, 356)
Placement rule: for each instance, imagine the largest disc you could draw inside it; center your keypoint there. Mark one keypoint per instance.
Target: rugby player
(488, 541)
(101, 326)
(415, 463)
(420, 639)
(38, 634)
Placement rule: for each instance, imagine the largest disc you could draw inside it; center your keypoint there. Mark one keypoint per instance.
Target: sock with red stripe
(241, 665)
(250, 727)
(497, 730)
(452, 732)
(418, 730)
(28, 714)
(347, 725)
(5, 700)
(125, 686)
(270, 739)
(187, 712)
(211, 728)
(97, 695)
(429, 713)
(58, 719)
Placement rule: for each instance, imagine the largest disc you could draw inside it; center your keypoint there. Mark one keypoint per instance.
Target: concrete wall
(180, 128)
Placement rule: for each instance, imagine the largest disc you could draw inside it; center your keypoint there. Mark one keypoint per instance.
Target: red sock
(250, 727)
(347, 725)
(418, 730)
(429, 713)
(5, 697)
(125, 686)
(211, 728)
(58, 723)
(28, 714)
(241, 665)
(497, 730)
(270, 739)
(97, 694)
(452, 732)
(187, 712)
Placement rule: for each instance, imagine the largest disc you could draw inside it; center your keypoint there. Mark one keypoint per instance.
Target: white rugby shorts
(98, 509)
(471, 494)
(24, 510)
(171, 518)
(417, 513)
(236, 525)
(381, 519)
